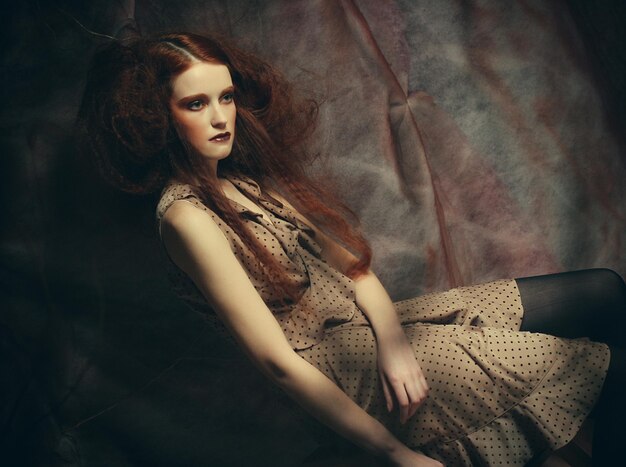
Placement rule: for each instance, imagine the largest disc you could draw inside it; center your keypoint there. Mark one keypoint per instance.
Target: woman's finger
(416, 396)
(403, 399)
(419, 382)
(386, 391)
(417, 399)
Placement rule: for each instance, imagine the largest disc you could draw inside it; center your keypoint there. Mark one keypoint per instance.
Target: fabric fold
(292, 241)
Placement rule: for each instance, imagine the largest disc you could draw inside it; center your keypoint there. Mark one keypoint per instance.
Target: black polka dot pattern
(497, 396)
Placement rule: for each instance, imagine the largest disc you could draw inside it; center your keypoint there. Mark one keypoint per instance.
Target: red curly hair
(125, 122)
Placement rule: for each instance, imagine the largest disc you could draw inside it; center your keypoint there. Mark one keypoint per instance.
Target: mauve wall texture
(470, 137)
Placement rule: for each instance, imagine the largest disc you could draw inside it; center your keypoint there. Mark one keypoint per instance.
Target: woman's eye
(228, 97)
(195, 105)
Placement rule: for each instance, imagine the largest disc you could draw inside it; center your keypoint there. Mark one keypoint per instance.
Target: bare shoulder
(184, 217)
(180, 210)
(190, 234)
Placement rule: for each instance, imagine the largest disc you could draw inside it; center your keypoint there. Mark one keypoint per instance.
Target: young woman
(269, 257)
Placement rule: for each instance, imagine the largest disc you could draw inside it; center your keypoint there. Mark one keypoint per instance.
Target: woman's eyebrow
(201, 94)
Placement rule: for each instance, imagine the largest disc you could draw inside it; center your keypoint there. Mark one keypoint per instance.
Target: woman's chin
(218, 155)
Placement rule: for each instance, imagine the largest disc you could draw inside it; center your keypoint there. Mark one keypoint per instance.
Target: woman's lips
(220, 137)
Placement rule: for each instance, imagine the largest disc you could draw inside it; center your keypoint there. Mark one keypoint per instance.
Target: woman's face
(204, 110)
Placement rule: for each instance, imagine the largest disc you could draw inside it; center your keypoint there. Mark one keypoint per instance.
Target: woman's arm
(400, 374)
(196, 244)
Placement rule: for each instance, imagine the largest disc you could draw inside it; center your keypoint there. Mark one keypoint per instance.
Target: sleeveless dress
(497, 396)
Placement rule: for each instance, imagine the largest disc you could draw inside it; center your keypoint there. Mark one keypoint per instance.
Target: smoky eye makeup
(229, 95)
(192, 105)
(191, 102)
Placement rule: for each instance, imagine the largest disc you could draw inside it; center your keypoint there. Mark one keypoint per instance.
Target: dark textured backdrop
(476, 139)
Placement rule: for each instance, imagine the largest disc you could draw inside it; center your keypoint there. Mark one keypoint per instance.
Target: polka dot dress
(497, 396)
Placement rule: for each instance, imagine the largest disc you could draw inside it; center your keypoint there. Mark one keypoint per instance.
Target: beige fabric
(497, 396)
(291, 240)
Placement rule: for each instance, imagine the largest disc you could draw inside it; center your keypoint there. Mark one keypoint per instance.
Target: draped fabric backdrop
(470, 137)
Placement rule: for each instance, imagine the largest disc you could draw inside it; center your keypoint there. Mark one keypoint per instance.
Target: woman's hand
(401, 375)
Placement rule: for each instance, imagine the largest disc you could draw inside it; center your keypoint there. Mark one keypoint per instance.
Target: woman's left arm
(399, 371)
(374, 301)
(397, 365)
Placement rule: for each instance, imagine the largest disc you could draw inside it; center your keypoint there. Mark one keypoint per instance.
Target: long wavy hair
(127, 127)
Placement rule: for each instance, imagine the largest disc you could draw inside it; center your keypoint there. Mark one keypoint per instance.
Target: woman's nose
(218, 119)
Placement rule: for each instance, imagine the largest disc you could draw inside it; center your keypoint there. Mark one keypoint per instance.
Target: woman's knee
(607, 288)
(600, 283)
(612, 283)
(574, 303)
